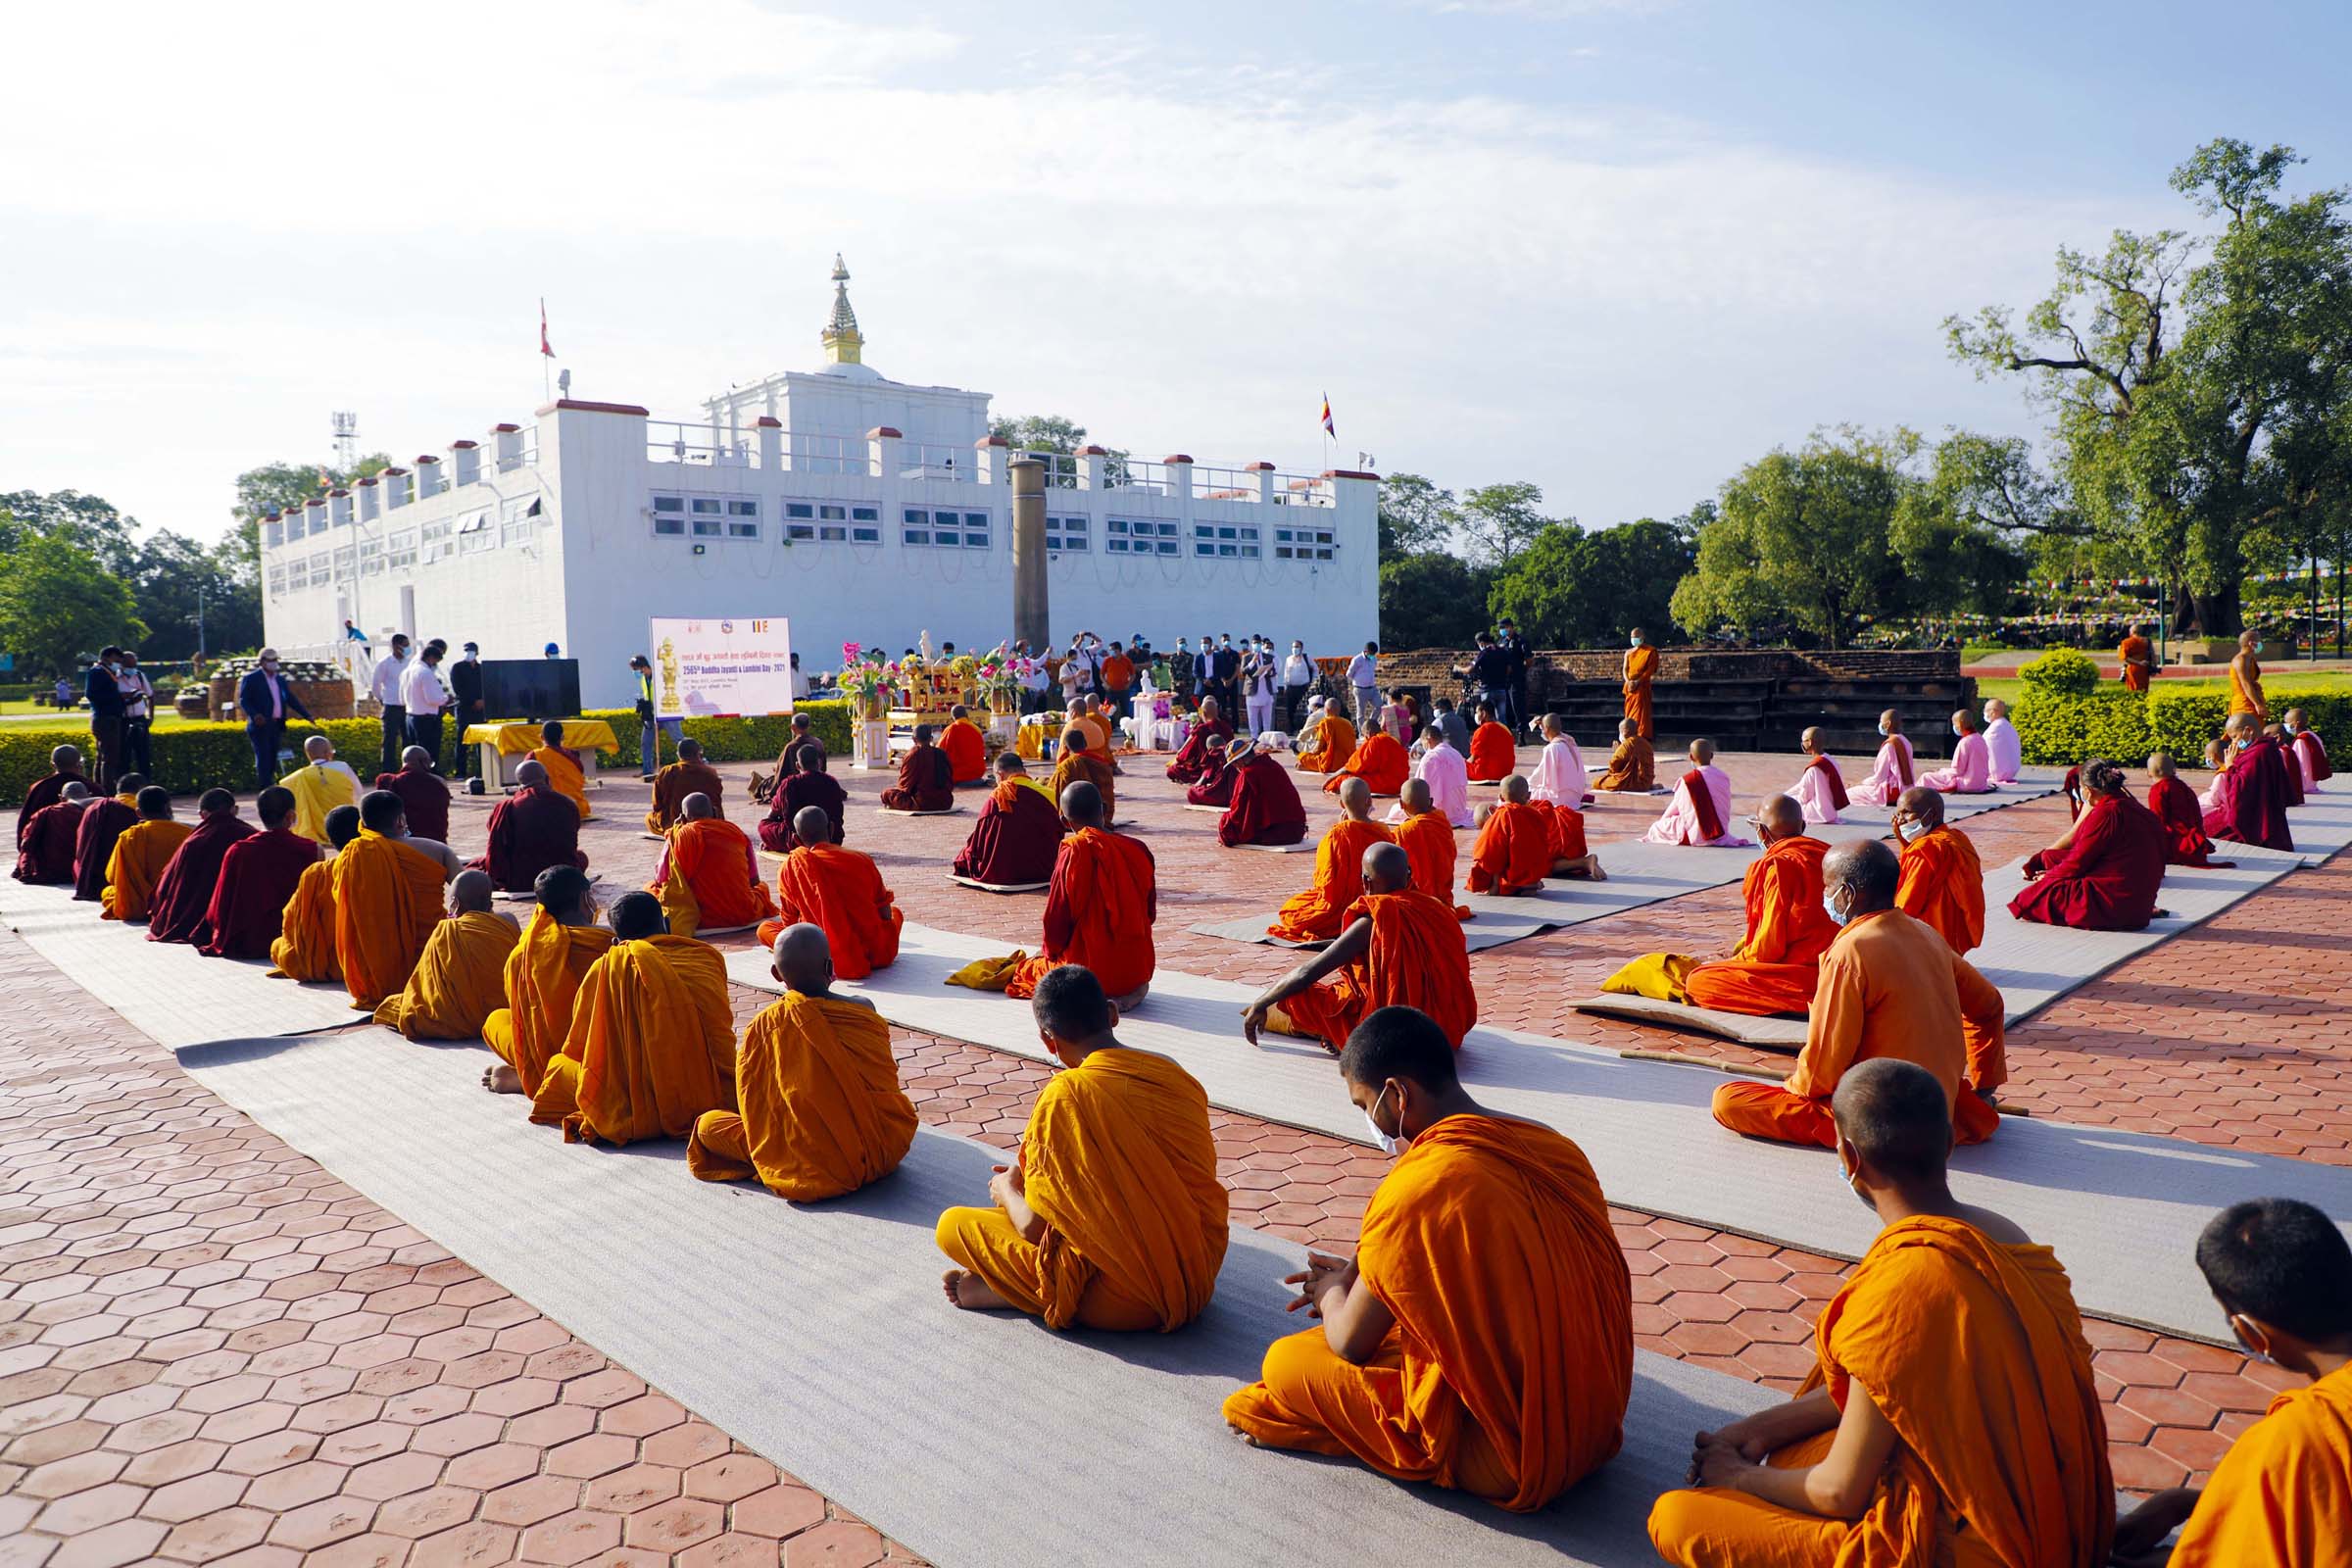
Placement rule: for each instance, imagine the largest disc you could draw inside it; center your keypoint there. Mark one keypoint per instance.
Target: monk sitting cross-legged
(2002, 743)
(1447, 776)
(1820, 789)
(1481, 1337)
(320, 785)
(423, 797)
(531, 830)
(1427, 840)
(809, 784)
(102, 822)
(45, 849)
(1018, 834)
(2108, 874)
(543, 977)
(2176, 807)
(1402, 947)
(709, 876)
(1325, 741)
(1099, 906)
(65, 767)
(926, 783)
(1317, 913)
(1894, 771)
(688, 776)
(1633, 767)
(2278, 736)
(387, 902)
(1951, 1416)
(461, 980)
(1082, 762)
(1889, 987)
(1521, 842)
(305, 947)
(965, 748)
(181, 910)
(1111, 1215)
(2250, 798)
(2307, 750)
(841, 891)
(141, 855)
(652, 1042)
(1208, 741)
(1493, 754)
(822, 1110)
(567, 775)
(1943, 879)
(1265, 808)
(1971, 772)
(2281, 1270)
(1559, 775)
(1380, 760)
(1700, 812)
(1778, 961)
(1214, 786)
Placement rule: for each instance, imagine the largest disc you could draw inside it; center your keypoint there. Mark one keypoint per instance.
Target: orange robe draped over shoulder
(458, 982)
(1334, 744)
(650, 1048)
(822, 1110)
(1492, 755)
(387, 904)
(708, 878)
(1381, 760)
(1633, 767)
(843, 892)
(1778, 962)
(1093, 766)
(1315, 916)
(1512, 1359)
(1943, 886)
(2136, 677)
(543, 977)
(967, 750)
(2245, 697)
(1417, 960)
(673, 784)
(1513, 850)
(1640, 668)
(1099, 908)
(305, 946)
(1119, 1162)
(136, 864)
(2284, 1491)
(563, 771)
(1428, 842)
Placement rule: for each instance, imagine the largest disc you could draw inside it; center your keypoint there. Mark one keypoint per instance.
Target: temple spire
(844, 343)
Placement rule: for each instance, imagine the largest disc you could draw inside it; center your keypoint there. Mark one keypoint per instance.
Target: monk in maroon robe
(65, 767)
(535, 827)
(1018, 834)
(2176, 807)
(45, 849)
(102, 822)
(2106, 878)
(795, 792)
(181, 910)
(1203, 747)
(1266, 806)
(926, 780)
(259, 874)
(2250, 798)
(423, 798)
(1215, 787)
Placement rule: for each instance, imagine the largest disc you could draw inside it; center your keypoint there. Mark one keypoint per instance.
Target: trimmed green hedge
(194, 758)
(2061, 729)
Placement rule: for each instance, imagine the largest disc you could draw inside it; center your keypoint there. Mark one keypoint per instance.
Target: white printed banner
(707, 668)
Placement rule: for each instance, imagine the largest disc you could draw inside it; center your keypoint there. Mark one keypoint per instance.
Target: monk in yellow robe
(822, 1110)
(1380, 760)
(842, 893)
(688, 776)
(1492, 751)
(1641, 669)
(1111, 1215)
(387, 904)
(1778, 961)
(1943, 878)
(1481, 1338)
(320, 785)
(461, 980)
(2283, 1493)
(2245, 680)
(305, 947)
(1400, 947)
(543, 979)
(139, 857)
(709, 876)
(651, 1042)
(564, 769)
(1427, 840)
(1315, 915)
(966, 746)
(1633, 767)
(1326, 743)
(1084, 764)
(1911, 1445)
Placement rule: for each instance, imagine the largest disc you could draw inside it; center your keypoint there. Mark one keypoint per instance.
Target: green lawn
(2276, 677)
(36, 715)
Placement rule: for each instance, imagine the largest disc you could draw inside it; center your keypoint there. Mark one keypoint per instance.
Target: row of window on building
(681, 516)
(464, 533)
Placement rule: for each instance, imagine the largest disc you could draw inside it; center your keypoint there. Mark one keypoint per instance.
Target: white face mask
(1884, 732)
(1907, 831)
(1634, 641)
(1391, 1144)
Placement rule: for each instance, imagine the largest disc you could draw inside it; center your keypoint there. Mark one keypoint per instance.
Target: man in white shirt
(423, 695)
(1258, 675)
(138, 714)
(1297, 679)
(800, 685)
(385, 687)
(1363, 676)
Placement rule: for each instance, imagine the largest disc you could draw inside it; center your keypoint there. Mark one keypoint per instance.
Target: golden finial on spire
(844, 343)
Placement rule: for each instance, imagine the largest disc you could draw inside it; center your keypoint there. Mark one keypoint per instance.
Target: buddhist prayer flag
(1328, 429)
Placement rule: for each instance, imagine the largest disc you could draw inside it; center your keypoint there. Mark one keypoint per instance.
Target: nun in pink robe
(1820, 790)
(1971, 772)
(1889, 776)
(1687, 820)
(1559, 775)
(1447, 776)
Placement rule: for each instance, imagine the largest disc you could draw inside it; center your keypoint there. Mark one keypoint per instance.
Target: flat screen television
(531, 688)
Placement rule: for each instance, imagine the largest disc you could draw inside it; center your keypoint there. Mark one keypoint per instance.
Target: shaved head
(2160, 766)
(804, 959)
(1810, 740)
(1963, 720)
(78, 792)
(342, 823)
(470, 893)
(696, 807)
(382, 812)
(690, 749)
(1516, 788)
(552, 732)
(636, 916)
(1209, 708)
(564, 891)
(1010, 765)
(529, 774)
(1995, 708)
(1414, 797)
(215, 802)
(65, 758)
(1891, 720)
(1893, 1113)
(1924, 804)
(1780, 817)
(275, 806)
(922, 734)
(318, 748)
(1388, 868)
(1073, 739)
(810, 826)
(155, 802)
(1702, 750)
(1082, 805)
(1553, 724)
(1070, 1005)
(1356, 797)
(416, 760)
(1869, 872)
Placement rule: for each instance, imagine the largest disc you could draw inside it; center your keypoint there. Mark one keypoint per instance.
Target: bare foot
(971, 1293)
(502, 1080)
(1593, 872)
(1243, 1435)
(1132, 1000)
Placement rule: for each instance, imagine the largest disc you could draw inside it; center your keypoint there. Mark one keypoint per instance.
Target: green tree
(59, 605)
(1057, 436)
(178, 585)
(1573, 589)
(1501, 519)
(90, 522)
(1432, 599)
(281, 486)
(1415, 516)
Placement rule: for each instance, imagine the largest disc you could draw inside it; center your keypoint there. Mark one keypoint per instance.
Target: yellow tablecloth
(513, 736)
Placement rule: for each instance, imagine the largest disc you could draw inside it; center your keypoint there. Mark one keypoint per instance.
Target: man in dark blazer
(104, 696)
(266, 700)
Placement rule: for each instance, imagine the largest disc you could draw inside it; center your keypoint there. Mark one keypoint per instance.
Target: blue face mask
(1828, 901)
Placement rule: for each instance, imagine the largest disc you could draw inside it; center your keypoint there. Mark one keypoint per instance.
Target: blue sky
(1618, 249)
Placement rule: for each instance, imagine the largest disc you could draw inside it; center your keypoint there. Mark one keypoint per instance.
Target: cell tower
(346, 438)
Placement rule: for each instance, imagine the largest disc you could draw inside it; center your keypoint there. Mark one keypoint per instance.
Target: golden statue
(669, 678)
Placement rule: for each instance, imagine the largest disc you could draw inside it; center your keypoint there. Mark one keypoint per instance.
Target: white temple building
(862, 508)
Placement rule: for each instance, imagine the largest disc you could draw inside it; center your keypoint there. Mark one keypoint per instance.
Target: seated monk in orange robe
(652, 1042)
(305, 947)
(1778, 962)
(1427, 839)
(822, 1110)
(1520, 842)
(842, 890)
(531, 830)
(102, 822)
(926, 783)
(1889, 987)
(389, 900)
(1111, 1215)
(965, 748)
(688, 776)
(1018, 834)
(543, 977)
(259, 878)
(1380, 760)
(1400, 946)
(1910, 1442)
(2176, 807)
(1264, 806)
(1633, 767)
(181, 908)
(139, 857)
(2281, 1271)
(1943, 879)
(1220, 773)
(423, 797)
(709, 876)
(461, 980)
(1492, 751)
(45, 849)
(565, 771)
(1481, 1339)
(1100, 906)
(1325, 741)
(1082, 764)
(1204, 747)
(1317, 914)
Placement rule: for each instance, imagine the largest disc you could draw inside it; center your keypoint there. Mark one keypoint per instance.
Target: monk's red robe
(797, 791)
(183, 899)
(1567, 827)
(2176, 807)
(45, 849)
(925, 783)
(1200, 751)
(2251, 798)
(258, 876)
(1099, 914)
(966, 750)
(2312, 752)
(42, 793)
(1417, 960)
(842, 892)
(1265, 808)
(1513, 850)
(1832, 781)
(2108, 879)
(1380, 760)
(1016, 839)
(1215, 787)
(424, 799)
(102, 822)
(1492, 753)
(531, 830)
